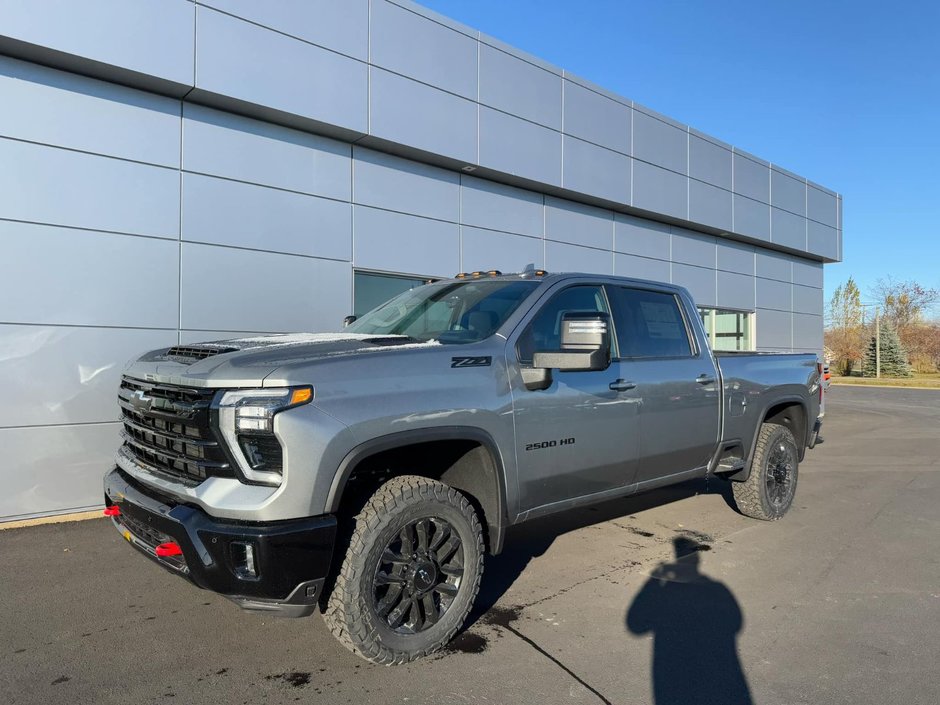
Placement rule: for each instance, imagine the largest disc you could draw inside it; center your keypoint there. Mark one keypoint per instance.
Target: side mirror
(585, 346)
(348, 320)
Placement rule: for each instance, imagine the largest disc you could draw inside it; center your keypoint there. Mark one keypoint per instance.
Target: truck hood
(245, 362)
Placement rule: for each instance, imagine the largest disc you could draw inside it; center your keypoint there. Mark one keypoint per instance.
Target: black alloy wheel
(418, 575)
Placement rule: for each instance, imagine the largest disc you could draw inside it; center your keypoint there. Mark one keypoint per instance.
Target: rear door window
(649, 323)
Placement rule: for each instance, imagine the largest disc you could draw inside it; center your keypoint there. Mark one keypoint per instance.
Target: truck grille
(167, 430)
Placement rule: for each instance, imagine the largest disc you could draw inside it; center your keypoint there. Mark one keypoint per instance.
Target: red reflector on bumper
(112, 511)
(169, 549)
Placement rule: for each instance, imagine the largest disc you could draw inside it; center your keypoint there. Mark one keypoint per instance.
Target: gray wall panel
(247, 62)
(301, 293)
(787, 192)
(562, 257)
(823, 240)
(660, 143)
(641, 267)
(807, 331)
(774, 294)
(807, 299)
(65, 110)
(227, 212)
(580, 225)
(693, 248)
(405, 243)
(661, 191)
(236, 147)
(787, 229)
(638, 236)
(751, 179)
(340, 26)
(698, 280)
(774, 265)
(519, 148)
(61, 187)
(807, 273)
(81, 369)
(710, 205)
(821, 207)
(774, 330)
(489, 249)
(735, 257)
(412, 113)
(147, 37)
(751, 217)
(596, 118)
(596, 170)
(498, 207)
(735, 291)
(415, 46)
(515, 86)
(397, 184)
(93, 284)
(55, 468)
(709, 162)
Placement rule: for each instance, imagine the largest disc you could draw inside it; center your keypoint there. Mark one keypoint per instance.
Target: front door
(578, 437)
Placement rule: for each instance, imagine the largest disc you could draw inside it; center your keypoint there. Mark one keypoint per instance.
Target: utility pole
(877, 343)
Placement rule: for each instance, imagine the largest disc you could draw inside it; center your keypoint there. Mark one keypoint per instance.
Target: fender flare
(497, 524)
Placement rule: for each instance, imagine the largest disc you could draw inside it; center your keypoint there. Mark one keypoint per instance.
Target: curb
(56, 519)
(881, 386)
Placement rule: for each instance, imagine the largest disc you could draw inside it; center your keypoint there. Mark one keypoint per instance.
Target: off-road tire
(752, 496)
(350, 611)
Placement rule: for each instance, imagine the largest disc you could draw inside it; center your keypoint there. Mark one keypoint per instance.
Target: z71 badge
(471, 361)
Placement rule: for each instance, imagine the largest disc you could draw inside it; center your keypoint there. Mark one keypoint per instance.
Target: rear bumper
(291, 559)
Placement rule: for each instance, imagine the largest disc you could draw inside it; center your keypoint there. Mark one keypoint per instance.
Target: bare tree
(903, 302)
(844, 331)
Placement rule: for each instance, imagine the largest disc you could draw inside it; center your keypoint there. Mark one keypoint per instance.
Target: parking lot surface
(837, 603)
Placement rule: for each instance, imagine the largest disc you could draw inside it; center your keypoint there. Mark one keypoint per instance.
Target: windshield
(461, 312)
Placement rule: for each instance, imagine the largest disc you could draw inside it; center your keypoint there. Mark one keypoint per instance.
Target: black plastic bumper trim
(290, 555)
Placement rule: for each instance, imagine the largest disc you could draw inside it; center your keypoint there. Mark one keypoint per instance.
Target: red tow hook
(170, 548)
(112, 511)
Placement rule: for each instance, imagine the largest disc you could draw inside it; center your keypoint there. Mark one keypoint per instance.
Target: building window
(728, 330)
(371, 290)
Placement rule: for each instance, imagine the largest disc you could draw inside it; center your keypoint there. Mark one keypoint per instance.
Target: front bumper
(291, 558)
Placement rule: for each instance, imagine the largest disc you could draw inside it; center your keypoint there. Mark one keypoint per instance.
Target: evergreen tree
(893, 355)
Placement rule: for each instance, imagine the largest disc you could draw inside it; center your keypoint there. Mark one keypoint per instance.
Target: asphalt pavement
(837, 603)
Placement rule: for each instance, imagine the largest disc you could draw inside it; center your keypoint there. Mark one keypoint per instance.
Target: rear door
(676, 381)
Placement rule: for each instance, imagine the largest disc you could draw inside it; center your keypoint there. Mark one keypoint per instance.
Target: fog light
(243, 559)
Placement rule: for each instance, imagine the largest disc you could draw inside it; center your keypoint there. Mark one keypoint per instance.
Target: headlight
(246, 420)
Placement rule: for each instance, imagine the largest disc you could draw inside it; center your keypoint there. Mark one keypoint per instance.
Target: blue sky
(844, 93)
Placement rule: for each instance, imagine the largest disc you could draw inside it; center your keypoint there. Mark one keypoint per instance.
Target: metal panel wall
(134, 221)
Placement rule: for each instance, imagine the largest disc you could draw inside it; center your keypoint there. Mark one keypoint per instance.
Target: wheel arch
(789, 411)
(469, 462)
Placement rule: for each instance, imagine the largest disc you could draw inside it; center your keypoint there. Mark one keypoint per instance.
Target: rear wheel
(411, 573)
(769, 489)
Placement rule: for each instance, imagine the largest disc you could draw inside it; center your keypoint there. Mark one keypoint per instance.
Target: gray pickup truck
(368, 471)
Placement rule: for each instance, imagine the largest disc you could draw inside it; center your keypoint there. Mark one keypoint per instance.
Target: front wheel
(411, 573)
(769, 490)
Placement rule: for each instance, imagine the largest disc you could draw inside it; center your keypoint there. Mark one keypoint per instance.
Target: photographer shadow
(694, 622)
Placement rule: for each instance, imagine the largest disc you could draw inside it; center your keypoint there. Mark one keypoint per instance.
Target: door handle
(705, 379)
(621, 385)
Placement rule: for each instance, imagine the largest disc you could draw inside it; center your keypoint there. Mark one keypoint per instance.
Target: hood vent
(187, 353)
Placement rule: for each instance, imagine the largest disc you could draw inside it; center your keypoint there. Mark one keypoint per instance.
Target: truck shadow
(533, 538)
(694, 622)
